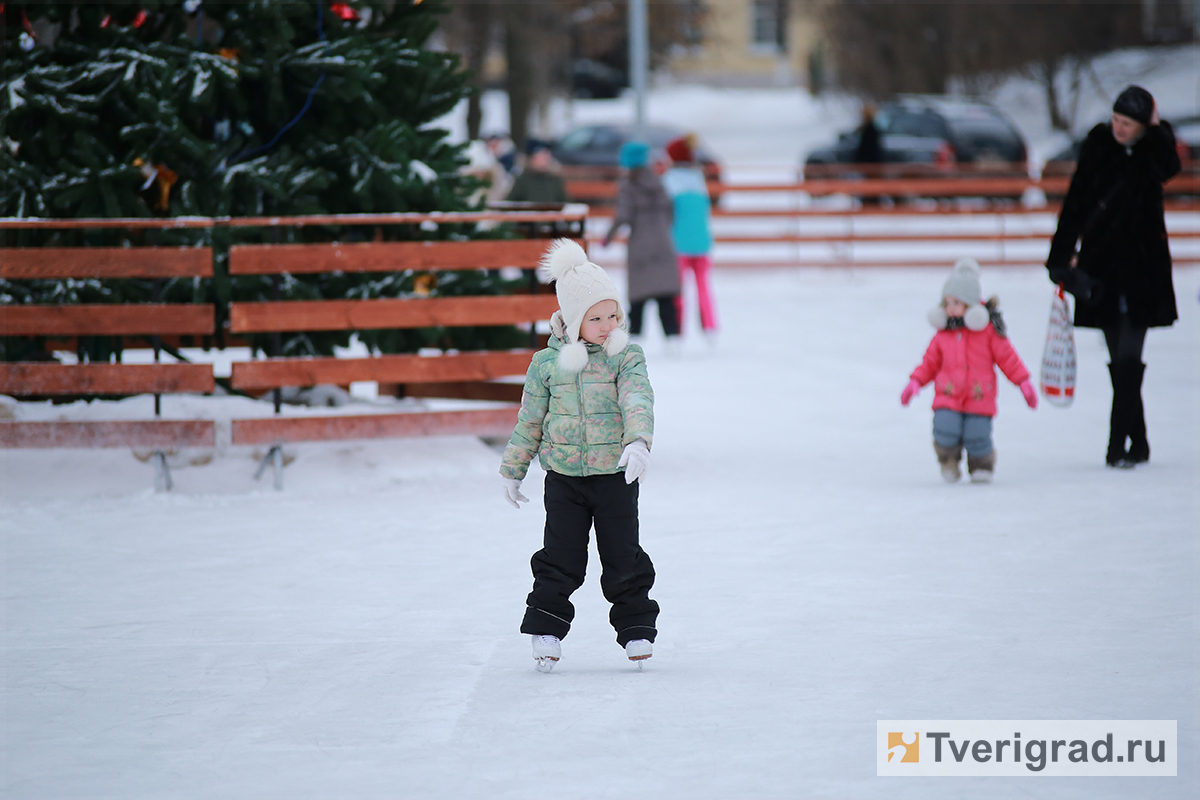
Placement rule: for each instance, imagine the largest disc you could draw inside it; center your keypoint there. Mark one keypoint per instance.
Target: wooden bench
(466, 375)
(153, 320)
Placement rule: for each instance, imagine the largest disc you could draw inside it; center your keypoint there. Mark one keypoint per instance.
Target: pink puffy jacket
(961, 363)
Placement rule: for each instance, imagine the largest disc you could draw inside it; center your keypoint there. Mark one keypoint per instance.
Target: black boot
(1139, 447)
(1118, 419)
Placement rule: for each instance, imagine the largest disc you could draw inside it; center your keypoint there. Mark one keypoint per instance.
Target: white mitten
(512, 492)
(635, 459)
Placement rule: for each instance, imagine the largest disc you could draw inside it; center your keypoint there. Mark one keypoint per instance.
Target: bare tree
(469, 28)
(884, 47)
(539, 40)
(881, 47)
(1061, 39)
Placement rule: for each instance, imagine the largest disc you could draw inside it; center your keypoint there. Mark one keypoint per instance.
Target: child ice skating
(692, 231)
(970, 342)
(587, 413)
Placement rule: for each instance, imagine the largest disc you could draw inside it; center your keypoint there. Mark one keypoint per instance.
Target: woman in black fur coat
(1121, 274)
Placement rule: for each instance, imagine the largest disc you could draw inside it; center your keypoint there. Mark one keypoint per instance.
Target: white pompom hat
(963, 284)
(579, 284)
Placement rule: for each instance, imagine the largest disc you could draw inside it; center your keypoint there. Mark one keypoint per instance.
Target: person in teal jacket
(587, 413)
(692, 231)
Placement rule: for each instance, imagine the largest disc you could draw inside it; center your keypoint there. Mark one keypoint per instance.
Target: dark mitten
(1087, 289)
(1084, 287)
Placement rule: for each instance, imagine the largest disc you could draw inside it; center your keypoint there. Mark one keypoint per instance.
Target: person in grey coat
(644, 206)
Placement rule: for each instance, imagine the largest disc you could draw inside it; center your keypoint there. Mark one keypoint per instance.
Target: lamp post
(639, 49)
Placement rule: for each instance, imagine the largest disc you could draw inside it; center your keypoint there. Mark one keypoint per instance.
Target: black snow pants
(572, 506)
(668, 314)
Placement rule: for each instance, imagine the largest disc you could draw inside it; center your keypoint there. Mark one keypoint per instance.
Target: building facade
(751, 43)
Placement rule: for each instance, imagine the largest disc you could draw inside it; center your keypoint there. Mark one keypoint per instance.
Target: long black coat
(1114, 209)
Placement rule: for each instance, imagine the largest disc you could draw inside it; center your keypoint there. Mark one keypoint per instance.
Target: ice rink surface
(355, 635)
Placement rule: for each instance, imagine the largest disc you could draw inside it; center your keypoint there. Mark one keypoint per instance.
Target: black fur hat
(1135, 103)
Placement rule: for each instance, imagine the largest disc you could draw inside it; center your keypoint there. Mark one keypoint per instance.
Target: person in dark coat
(643, 206)
(869, 149)
(1121, 274)
(538, 181)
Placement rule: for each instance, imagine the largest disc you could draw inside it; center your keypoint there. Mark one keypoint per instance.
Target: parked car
(933, 131)
(1187, 144)
(590, 151)
(595, 79)
(1187, 138)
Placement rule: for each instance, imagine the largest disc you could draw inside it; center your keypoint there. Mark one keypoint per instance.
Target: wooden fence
(1001, 183)
(843, 234)
(475, 375)
(908, 220)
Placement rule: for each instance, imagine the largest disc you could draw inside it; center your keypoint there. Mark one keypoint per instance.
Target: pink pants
(700, 266)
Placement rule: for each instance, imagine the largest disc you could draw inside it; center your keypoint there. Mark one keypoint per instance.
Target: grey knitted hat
(963, 283)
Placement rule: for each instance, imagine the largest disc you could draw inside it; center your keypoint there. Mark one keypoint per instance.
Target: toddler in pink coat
(969, 344)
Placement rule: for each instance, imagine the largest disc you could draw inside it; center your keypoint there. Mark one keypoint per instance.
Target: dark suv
(590, 153)
(1187, 144)
(1061, 165)
(934, 131)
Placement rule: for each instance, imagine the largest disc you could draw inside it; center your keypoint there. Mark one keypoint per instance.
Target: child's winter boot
(547, 650)
(981, 467)
(948, 458)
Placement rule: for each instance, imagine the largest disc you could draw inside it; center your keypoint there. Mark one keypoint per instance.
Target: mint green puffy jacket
(579, 423)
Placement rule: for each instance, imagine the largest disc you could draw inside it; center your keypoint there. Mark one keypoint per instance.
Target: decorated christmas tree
(148, 108)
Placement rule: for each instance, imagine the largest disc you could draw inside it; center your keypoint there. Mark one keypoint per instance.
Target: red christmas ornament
(140, 19)
(345, 12)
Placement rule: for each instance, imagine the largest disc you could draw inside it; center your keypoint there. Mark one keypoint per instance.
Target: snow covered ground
(355, 635)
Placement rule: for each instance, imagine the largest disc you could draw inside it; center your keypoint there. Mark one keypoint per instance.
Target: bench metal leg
(274, 457)
(162, 473)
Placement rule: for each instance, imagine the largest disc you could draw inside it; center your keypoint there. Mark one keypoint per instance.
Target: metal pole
(639, 62)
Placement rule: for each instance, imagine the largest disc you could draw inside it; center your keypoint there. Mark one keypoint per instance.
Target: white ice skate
(547, 650)
(639, 650)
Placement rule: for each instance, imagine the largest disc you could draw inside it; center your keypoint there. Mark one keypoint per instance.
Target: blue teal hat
(634, 155)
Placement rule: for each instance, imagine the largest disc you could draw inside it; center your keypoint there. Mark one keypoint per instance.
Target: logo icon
(906, 747)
